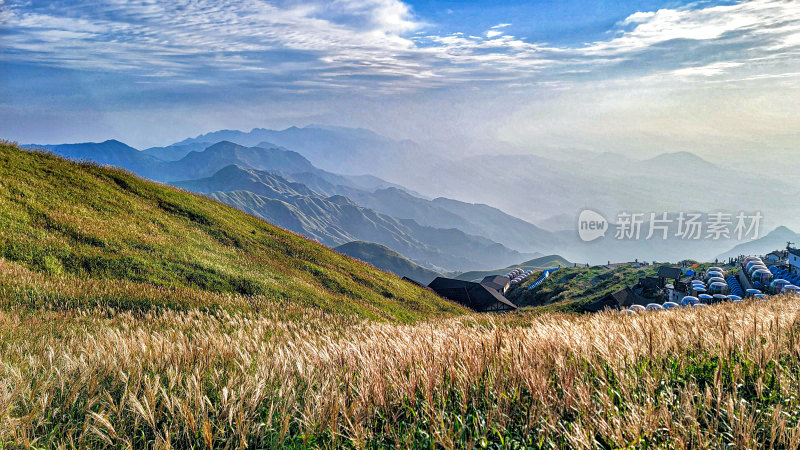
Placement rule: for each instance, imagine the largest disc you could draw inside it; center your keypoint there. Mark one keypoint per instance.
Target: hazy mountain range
(339, 185)
(534, 187)
(335, 220)
(442, 241)
(336, 149)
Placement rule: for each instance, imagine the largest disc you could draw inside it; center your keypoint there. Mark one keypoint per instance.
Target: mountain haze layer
(337, 149)
(495, 192)
(337, 219)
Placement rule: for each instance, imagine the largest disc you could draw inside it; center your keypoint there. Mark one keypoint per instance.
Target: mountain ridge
(774, 240)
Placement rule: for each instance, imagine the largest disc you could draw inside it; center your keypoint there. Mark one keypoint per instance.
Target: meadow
(719, 377)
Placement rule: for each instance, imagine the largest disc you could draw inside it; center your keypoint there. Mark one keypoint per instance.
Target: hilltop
(386, 259)
(569, 288)
(78, 234)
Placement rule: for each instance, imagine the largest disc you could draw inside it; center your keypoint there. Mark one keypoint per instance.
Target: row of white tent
(518, 275)
(688, 302)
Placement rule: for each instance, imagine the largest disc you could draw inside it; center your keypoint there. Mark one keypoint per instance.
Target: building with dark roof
(775, 256)
(670, 273)
(497, 282)
(651, 284)
(475, 296)
(620, 299)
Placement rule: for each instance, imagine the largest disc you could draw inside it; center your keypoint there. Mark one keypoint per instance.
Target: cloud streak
(342, 43)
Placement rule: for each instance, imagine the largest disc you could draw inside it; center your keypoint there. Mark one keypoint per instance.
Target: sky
(721, 79)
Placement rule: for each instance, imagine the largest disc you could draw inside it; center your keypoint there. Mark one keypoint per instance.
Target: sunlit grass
(691, 378)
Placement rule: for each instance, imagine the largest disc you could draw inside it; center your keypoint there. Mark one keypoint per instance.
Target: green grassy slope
(80, 234)
(569, 288)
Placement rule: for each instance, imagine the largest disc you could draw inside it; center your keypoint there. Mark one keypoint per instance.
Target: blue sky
(629, 76)
(567, 22)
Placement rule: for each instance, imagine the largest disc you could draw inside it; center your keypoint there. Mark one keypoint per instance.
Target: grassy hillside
(720, 377)
(386, 259)
(569, 288)
(74, 234)
(544, 262)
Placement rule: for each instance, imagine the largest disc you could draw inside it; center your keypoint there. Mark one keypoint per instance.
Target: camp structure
(475, 296)
(666, 273)
(497, 282)
(620, 299)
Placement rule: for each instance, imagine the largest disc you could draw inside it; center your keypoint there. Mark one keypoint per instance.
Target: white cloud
(341, 43)
(760, 18)
(707, 70)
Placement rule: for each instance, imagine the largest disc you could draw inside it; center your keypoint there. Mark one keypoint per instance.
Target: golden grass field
(724, 376)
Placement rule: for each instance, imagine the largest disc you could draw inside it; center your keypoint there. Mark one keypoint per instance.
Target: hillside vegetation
(81, 235)
(569, 288)
(720, 377)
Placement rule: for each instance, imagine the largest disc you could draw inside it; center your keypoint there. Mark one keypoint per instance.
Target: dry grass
(708, 378)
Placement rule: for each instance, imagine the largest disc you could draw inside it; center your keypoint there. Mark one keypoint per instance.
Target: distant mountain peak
(223, 144)
(231, 170)
(681, 157)
(782, 231)
(340, 200)
(106, 143)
